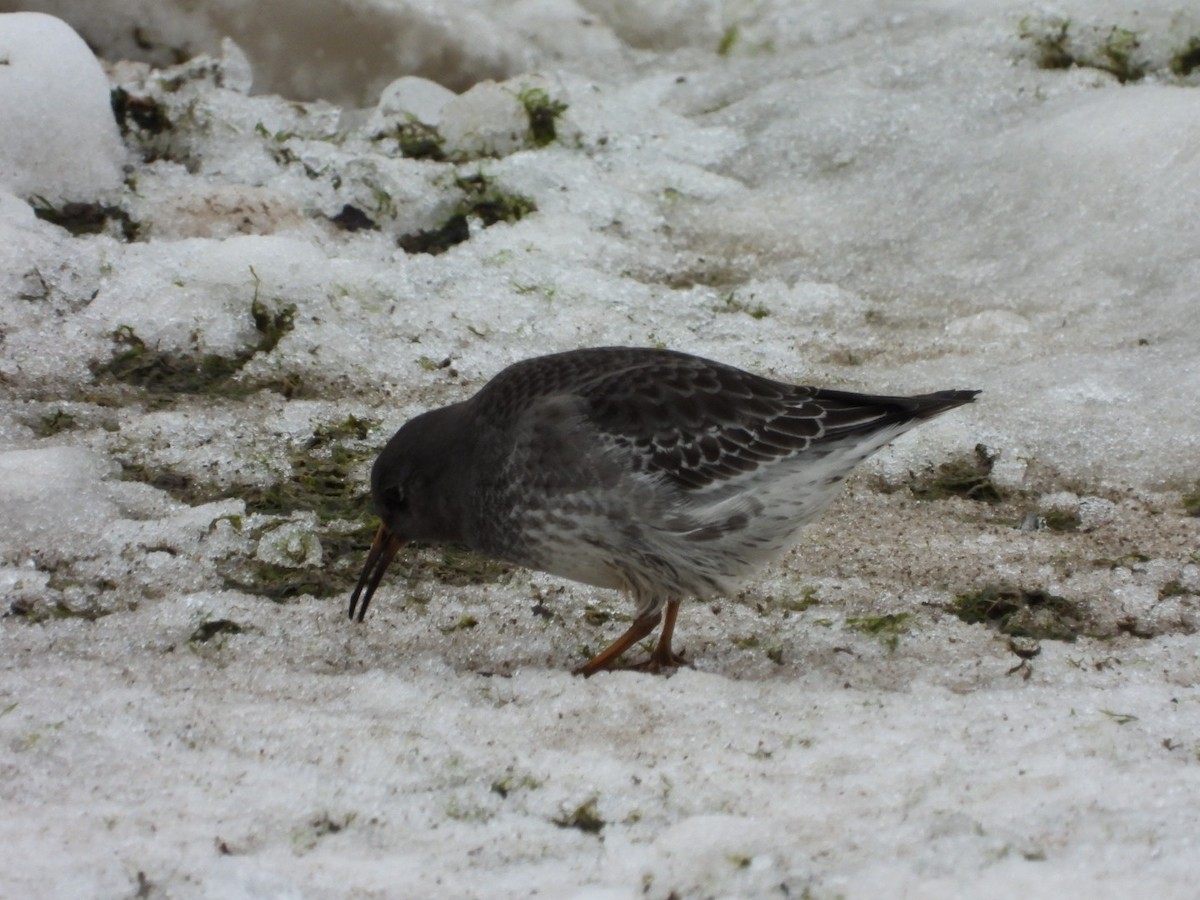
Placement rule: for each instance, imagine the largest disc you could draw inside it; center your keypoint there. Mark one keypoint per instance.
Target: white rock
(418, 98)
(59, 139)
(236, 72)
(292, 544)
(487, 120)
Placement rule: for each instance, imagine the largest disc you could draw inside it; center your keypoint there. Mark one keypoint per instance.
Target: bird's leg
(663, 657)
(641, 627)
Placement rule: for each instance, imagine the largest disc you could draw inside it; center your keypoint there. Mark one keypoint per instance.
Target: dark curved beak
(383, 549)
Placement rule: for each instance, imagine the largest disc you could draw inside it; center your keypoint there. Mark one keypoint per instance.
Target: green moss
(347, 543)
(351, 218)
(34, 612)
(321, 481)
(733, 304)
(543, 114)
(416, 140)
(137, 364)
(585, 817)
(547, 293)
(333, 576)
(438, 240)
(1119, 718)
(457, 566)
(1118, 53)
(54, 422)
(464, 623)
(887, 624)
(481, 199)
(146, 125)
(212, 628)
(179, 486)
(1050, 39)
(1062, 520)
(314, 485)
(138, 113)
(968, 477)
(1121, 562)
(887, 628)
(1059, 45)
(312, 832)
(163, 374)
(1191, 502)
(350, 428)
(86, 218)
(807, 599)
(271, 324)
(511, 782)
(280, 583)
(485, 201)
(728, 40)
(1187, 58)
(1021, 612)
(461, 812)
(419, 141)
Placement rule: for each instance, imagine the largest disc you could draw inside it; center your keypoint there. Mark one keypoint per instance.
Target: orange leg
(661, 658)
(605, 658)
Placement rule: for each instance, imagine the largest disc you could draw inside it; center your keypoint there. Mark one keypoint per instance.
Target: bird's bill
(382, 551)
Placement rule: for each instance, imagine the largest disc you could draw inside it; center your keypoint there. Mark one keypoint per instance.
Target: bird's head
(416, 487)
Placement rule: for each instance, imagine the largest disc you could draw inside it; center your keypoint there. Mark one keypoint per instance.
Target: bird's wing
(698, 422)
(669, 414)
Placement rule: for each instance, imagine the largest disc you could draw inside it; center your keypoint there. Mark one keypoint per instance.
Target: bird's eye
(393, 497)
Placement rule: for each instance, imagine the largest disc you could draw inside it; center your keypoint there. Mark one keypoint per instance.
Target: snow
(886, 197)
(59, 141)
(407, 97)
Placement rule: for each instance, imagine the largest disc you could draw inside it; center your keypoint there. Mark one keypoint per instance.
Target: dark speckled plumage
(653, 471)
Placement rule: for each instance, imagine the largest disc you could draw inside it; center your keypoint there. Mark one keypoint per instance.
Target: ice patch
(53, 500)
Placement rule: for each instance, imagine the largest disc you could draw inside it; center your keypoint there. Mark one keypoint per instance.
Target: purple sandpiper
(656, 472)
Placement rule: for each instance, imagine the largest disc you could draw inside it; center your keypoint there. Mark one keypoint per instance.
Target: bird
(651, 471)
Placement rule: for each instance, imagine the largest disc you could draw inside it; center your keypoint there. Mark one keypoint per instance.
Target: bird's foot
(662, 658)
(659, 662)
(656, 664)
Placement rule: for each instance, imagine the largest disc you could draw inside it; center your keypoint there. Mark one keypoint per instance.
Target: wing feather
(696, 421)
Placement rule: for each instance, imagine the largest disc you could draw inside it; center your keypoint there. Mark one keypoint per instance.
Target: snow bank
(59, 141)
